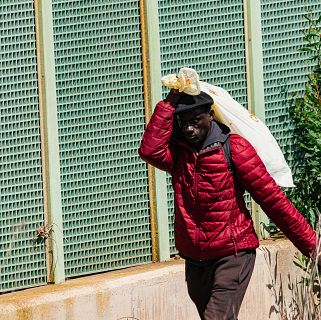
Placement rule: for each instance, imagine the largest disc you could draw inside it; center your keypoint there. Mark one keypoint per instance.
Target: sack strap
(226, 146)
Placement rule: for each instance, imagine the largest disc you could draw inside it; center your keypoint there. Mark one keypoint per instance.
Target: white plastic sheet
(240, 121)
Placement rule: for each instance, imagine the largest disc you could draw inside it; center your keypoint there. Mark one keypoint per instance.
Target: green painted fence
(283, 27)
(22, 264)
(101, 119)
(100, 98)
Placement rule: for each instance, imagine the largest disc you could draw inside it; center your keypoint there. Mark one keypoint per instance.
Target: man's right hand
(173, 97)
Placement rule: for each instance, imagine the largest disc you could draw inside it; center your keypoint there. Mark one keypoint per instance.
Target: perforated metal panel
(285, 72)
(101, 121)
(22, 264)
(209, 37)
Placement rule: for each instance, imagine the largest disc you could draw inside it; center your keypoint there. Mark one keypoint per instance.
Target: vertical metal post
(255, 84)
(153, 93)
(49, 139)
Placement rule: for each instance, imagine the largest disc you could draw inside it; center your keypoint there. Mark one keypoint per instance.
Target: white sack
(242, 122)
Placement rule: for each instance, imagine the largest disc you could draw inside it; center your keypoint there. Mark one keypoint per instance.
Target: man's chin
(193, 142)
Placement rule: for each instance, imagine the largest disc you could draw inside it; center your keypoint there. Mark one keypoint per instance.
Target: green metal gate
(209, 37)
(22, 264)
(101, 119)
(283, 27)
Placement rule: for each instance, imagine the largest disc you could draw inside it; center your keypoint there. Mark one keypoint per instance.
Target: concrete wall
(151, 292)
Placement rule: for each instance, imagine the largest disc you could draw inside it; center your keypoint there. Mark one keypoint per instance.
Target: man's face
(195, 125)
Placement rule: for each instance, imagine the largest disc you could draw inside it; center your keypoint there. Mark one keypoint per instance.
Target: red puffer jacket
(211, 219)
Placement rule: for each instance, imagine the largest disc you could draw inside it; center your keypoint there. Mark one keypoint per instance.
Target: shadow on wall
(296, 297)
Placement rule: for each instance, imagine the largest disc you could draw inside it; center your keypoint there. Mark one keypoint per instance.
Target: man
(213, 229)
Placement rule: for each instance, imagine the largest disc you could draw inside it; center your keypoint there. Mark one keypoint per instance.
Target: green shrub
(305, 112)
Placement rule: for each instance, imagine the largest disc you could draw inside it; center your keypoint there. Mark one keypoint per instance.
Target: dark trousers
(217, 287)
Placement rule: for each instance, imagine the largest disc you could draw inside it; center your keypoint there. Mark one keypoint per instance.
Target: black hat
(188, 102)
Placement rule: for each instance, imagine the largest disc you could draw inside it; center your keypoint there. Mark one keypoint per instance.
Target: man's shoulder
(239, 144)
(237, 139)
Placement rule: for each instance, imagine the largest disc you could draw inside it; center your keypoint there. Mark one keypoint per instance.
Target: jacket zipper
(232, 235)
(196, 202)
(195, 185)
(234, 244)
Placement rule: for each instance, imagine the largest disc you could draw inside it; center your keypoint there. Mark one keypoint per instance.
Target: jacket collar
(218, 133)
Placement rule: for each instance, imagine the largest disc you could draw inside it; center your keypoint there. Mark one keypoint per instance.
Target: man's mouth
(191, 138)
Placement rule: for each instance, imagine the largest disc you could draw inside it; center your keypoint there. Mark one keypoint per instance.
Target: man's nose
(189, 129)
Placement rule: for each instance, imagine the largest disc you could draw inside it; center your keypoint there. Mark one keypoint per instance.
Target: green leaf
(308, 17)
(304, 49)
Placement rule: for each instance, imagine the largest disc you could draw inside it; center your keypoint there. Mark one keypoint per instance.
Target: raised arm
(253, 176)
(155, 148)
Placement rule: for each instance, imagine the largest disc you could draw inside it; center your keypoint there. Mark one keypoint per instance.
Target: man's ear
(212, 114)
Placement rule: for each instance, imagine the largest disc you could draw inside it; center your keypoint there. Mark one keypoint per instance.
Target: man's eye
(186, 124)
(193, 123)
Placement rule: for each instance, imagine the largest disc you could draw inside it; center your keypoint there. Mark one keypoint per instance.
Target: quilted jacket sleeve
(253, 176)
(155, 148)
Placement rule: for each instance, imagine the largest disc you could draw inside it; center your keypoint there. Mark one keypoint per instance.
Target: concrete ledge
(151, 292)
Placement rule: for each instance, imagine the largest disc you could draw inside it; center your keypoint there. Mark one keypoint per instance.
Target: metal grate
(22, 264)
(283, 26)
(101, 121)
(209, 37)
